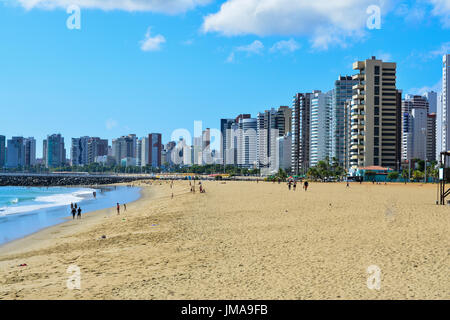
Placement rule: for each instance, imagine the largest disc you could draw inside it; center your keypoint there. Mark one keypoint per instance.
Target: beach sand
(243, 240)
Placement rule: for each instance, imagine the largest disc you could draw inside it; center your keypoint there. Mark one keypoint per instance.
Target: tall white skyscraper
(443, 119)
(320, 143)
(432, 98)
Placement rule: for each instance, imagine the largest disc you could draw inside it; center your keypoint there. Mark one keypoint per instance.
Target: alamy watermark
(74, 280)
(374, 19)
(374, 278)
(74, 20)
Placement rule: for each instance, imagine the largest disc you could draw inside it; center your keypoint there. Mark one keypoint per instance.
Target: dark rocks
(48, 180)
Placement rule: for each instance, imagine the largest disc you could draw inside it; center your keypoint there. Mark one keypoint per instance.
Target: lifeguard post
(444, 176)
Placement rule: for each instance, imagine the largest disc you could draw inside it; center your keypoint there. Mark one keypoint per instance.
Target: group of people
(75, 210)
(200, 186)
(293, 184)
(118, 208)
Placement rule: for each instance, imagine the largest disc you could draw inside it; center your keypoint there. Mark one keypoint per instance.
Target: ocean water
(25, 210)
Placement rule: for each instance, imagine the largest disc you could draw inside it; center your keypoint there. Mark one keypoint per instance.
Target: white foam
(55, 200)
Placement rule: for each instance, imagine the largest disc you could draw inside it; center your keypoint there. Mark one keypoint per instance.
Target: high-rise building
(30, 152)
(414, 126)
(375, 116)
(271, 125)
(320, 142)
(79, 151)
(124, 147)
(225, 130)
(301, 120)
(284, 151)
(342, 92)
(431, 137)
(54, 151)
(432, 98)
(2, 151)
(154, 150)
(443, 116)
(15, 153)
(246, 143)
(96, 148)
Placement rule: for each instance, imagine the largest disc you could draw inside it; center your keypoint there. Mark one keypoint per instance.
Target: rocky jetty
(62, 180)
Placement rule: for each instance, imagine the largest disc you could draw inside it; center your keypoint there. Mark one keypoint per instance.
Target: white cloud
(324, 20)
(255, 47)
(111, 124)
(162, 6)
(444, 49)
(152, 43)
(436, 88)
(441, 8)
(386, 57)
(285, 46)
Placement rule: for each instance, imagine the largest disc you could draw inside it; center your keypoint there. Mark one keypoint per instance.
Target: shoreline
(27, 240)
(244, 240)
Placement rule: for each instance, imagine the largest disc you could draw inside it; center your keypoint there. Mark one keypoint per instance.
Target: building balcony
(358, 87)
(359, 65)
(357, 126)
(357, 116)
(358, 96)
(357, 107)
(358, 76)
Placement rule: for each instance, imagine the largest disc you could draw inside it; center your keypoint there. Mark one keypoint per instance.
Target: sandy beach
(243, 240)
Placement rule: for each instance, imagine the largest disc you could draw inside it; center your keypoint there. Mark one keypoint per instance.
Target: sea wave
(45, 202)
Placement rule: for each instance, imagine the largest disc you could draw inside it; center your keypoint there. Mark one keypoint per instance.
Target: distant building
(432, 98)
(414, 127)
(155, 147)
(225, 130)
(15, 153)
(124, 147)
(54, 151)
(30, 151)
(431, 137)
(271, 125)
(301, 121)
(96, 148)
(79, 151)
(320, 142)
(246, 143)
(341, 93)
(442, 115)
(284, 151)
(2, 151)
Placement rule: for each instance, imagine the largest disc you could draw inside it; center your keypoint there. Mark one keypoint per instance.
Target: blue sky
(142, 66)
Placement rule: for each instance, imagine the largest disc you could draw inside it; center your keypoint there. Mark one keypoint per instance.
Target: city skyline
(106, 80)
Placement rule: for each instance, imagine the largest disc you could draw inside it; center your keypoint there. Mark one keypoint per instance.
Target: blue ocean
(25, 210)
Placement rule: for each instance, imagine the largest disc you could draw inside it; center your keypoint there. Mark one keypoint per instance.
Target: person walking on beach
(124, 207)
(118, 208)
(74, 212)
(79, 213)
(289, 185)
(305, 185)
(295, 185)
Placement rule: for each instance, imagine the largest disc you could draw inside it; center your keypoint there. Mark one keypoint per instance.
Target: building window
(376, 161)
(377, 100)
(376, 131)
(377, 121)
(377, 69)
(377, 111)
(376, 142)
(377, 80)
(377, 90)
